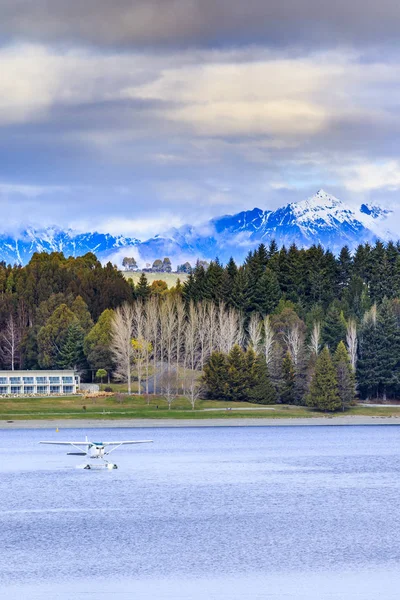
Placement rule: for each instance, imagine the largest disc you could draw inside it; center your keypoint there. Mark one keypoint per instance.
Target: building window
(54, 379)
(15, 389)
(28, 389)
(42, 389)
(28, 379)
(3, 380)
(3, 389)
(15, 379)
(68, 380)
(41, 379)
(54, 389)
(68, 389)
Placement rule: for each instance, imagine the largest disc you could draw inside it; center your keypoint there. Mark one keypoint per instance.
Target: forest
(295, 326)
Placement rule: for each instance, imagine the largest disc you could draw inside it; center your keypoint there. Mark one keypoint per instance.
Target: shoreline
(212, 422)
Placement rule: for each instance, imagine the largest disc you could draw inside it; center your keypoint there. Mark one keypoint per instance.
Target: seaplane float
(96, 451)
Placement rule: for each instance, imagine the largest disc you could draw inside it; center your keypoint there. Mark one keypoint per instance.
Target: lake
(203, 513)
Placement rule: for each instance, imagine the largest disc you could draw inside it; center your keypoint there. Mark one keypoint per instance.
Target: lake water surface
(203, 513)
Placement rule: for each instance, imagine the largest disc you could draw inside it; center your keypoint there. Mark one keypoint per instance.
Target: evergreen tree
(288, 383)
(143, 290)
(71, 355)
(261, 390)
(237, 375)
(215, 376)
(97, 343)
(324, 392)
(345, 376)
(334, 329)
(379, 362)
(345, 267)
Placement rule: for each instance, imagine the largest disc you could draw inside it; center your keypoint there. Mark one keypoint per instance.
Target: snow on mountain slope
(321, 219)
(19, 250)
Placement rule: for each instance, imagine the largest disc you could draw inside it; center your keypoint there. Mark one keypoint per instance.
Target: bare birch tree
(168, 386)
(202, 330)
(121, 344)
(294, 340)
(180, 331)
(10, 341)
(255, 332)
(191, 338)
(352, 342)
(192, 387)
(269, 340)
(168, 327)
(315, 340)
(153, 327)
(230, 328)
(212, 327)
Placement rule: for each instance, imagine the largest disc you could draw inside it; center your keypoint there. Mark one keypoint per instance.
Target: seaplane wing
(127, 442)
(68, 443)
(76, 445)
(124, 443)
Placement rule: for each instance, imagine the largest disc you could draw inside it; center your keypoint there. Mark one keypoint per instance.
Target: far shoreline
(346, 420)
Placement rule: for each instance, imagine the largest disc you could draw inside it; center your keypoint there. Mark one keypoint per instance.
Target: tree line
(283, 314)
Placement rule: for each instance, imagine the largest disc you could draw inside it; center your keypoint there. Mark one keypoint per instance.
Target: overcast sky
(133, 116)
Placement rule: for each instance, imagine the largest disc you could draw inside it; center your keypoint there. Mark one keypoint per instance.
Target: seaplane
(96, 451)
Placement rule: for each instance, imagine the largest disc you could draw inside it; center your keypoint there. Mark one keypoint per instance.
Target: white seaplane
(96, 451)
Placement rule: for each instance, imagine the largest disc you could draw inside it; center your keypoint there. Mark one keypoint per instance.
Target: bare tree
(315, 340)
(269, 340)
(10, 341)
(202, 330)
(371, 315)
(168, 328)
(294, 340)
(212, 328)
(230, 328)
(255, 332)
(168, 386)
(121, 344)
(192, 349)
(192, 387)
(180, 331)
(352, 342)
(153, 327)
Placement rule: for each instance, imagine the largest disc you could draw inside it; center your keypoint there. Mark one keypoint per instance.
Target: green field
(169, 278)
(76, 407)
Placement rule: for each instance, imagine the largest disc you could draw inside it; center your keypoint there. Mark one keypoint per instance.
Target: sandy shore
(243, 422)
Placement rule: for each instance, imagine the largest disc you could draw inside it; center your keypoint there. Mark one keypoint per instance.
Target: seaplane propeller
(96, 450)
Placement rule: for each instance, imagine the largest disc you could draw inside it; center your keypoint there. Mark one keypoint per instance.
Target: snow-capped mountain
(321, 219)
(19, 249)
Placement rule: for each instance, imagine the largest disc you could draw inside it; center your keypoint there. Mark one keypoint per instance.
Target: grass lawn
(137, 407)
(169, 278)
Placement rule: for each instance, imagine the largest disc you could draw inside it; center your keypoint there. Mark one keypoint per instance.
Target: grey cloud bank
(201, 22)
(132, 117)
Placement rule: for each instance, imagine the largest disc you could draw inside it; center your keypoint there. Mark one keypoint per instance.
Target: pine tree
(345, 376)
(71, 355)
(334, 329)
(143, 289)
(288, 385)
(215, 376)
(324, 392)
(238, 375)
(261, 390)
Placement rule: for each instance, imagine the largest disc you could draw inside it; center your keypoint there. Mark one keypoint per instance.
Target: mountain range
(321, 219)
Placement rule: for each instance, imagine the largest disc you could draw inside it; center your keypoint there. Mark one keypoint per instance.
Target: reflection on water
(229, 513)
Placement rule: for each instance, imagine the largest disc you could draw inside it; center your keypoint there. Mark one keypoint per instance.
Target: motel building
(43, 383)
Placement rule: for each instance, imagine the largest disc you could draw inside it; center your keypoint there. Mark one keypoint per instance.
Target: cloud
(368, 176)
(202, 23)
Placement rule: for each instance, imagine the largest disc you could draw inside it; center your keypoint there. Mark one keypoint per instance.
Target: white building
(21, 383)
